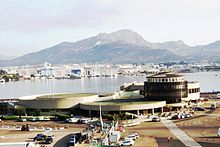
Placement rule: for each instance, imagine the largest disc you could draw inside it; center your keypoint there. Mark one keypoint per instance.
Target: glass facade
(171, 92)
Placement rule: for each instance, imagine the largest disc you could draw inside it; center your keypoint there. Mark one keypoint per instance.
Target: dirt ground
(152, 134)
(13, 135)
(201, 127)
(40, 124)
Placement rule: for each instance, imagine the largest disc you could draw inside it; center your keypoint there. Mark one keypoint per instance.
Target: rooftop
(68, 95)
(165, 75)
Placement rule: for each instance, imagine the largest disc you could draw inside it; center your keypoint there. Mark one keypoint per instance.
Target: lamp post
(100, 115)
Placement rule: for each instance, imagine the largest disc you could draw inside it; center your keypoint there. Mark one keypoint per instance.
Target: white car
(132, 136)
(71, 120)
(156, 119)
(46, 118)
(136, 134)
(126, 143)
(188, 115)
(32, 119)
(48, 129)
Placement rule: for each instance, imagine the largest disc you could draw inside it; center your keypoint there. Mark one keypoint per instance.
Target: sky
(31, 25)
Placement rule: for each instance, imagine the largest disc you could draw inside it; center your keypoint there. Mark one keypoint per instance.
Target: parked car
(84, 120)
(182, 116)
(199, 109)
(133, 136)
(40, 137)
(40, 118)
(136, 134)
(49, 139)
(188, 115)
(130, 139)
(177, 116)
(72, 120)
(46, 118)
(22, 120)
(32, 119)
(156, 119)
(126, 143)
(48, 128)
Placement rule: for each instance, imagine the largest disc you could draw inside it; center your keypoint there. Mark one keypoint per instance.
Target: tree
(20, 110)
(2, 72)
(3, 109)
(32, 76)
(6, 78)
(15, 77)
(37, 112)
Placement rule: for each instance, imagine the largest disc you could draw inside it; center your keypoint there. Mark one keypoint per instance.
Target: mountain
(176, 47)
(210, 51)
(123, 46)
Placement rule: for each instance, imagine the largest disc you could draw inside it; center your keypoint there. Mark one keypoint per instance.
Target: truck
(218, 132)
(114, 136)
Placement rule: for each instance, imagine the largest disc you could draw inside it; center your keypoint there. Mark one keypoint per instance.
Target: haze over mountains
(3, 57)
(123, 46)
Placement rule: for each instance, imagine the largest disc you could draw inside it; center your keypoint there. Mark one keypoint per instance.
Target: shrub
(10, 118)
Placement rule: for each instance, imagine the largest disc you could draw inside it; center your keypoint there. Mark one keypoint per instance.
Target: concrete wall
(122, 107)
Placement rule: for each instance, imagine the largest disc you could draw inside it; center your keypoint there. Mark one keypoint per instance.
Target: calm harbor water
(209, 81)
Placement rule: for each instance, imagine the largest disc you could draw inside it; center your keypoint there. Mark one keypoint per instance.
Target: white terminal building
(166, 86)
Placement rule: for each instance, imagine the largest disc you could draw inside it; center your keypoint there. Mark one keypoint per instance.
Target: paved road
(61, 138)
(63, 141)
(181, 135)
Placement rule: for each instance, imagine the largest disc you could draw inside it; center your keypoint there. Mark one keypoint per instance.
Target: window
(190, 90)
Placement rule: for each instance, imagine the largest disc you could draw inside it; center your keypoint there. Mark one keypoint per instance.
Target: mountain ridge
(123, 46)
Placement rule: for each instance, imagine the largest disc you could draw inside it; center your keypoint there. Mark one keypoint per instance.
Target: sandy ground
(152, 134)
(26, 136)
(202, 128)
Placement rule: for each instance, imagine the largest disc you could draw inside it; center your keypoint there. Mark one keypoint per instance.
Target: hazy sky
(32, 25)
